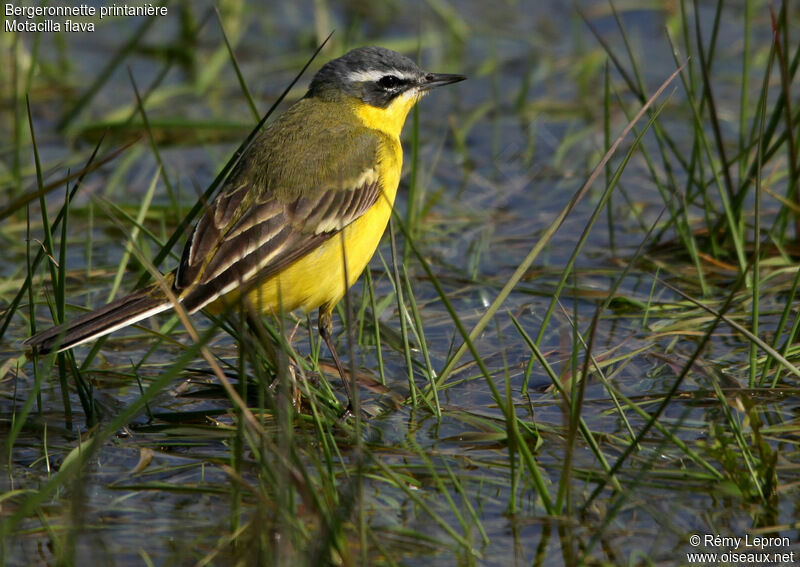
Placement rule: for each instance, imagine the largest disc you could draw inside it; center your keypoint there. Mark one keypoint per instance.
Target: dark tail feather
(89, 326)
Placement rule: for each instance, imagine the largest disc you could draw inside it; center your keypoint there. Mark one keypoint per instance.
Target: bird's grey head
(373, 74)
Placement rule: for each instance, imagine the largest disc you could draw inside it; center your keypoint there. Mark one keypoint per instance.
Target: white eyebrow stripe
(372, 75)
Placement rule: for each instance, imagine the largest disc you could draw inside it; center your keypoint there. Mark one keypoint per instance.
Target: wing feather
(264, 218)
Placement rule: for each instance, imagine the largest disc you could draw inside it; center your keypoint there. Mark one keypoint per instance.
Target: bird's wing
(266, 219)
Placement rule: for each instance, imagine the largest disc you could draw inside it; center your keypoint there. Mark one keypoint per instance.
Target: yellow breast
(321, 277)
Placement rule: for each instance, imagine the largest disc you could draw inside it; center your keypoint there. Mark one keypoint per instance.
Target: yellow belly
(318, 278)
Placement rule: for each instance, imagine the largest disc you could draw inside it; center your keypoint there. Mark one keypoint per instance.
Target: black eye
(389, 82)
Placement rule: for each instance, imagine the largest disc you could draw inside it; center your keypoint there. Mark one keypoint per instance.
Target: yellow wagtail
(299, 217)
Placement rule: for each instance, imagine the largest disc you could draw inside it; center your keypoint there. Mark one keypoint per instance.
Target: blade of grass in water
(133, 236)
(398, 286)
(584, 428)
(156, 153)
(567, 271)
(106, 72)
(508, 411)
(793, 157)
(670, 394)
(376, 324)
(548, 234)
(237, 70)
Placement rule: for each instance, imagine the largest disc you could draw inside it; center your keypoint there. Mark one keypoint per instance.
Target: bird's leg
(325, 328)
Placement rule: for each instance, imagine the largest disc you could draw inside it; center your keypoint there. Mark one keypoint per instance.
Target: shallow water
(490, 194)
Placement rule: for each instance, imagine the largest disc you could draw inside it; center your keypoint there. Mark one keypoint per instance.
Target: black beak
(433, 80)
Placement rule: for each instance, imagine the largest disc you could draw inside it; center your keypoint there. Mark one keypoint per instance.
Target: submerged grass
(529, 383)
